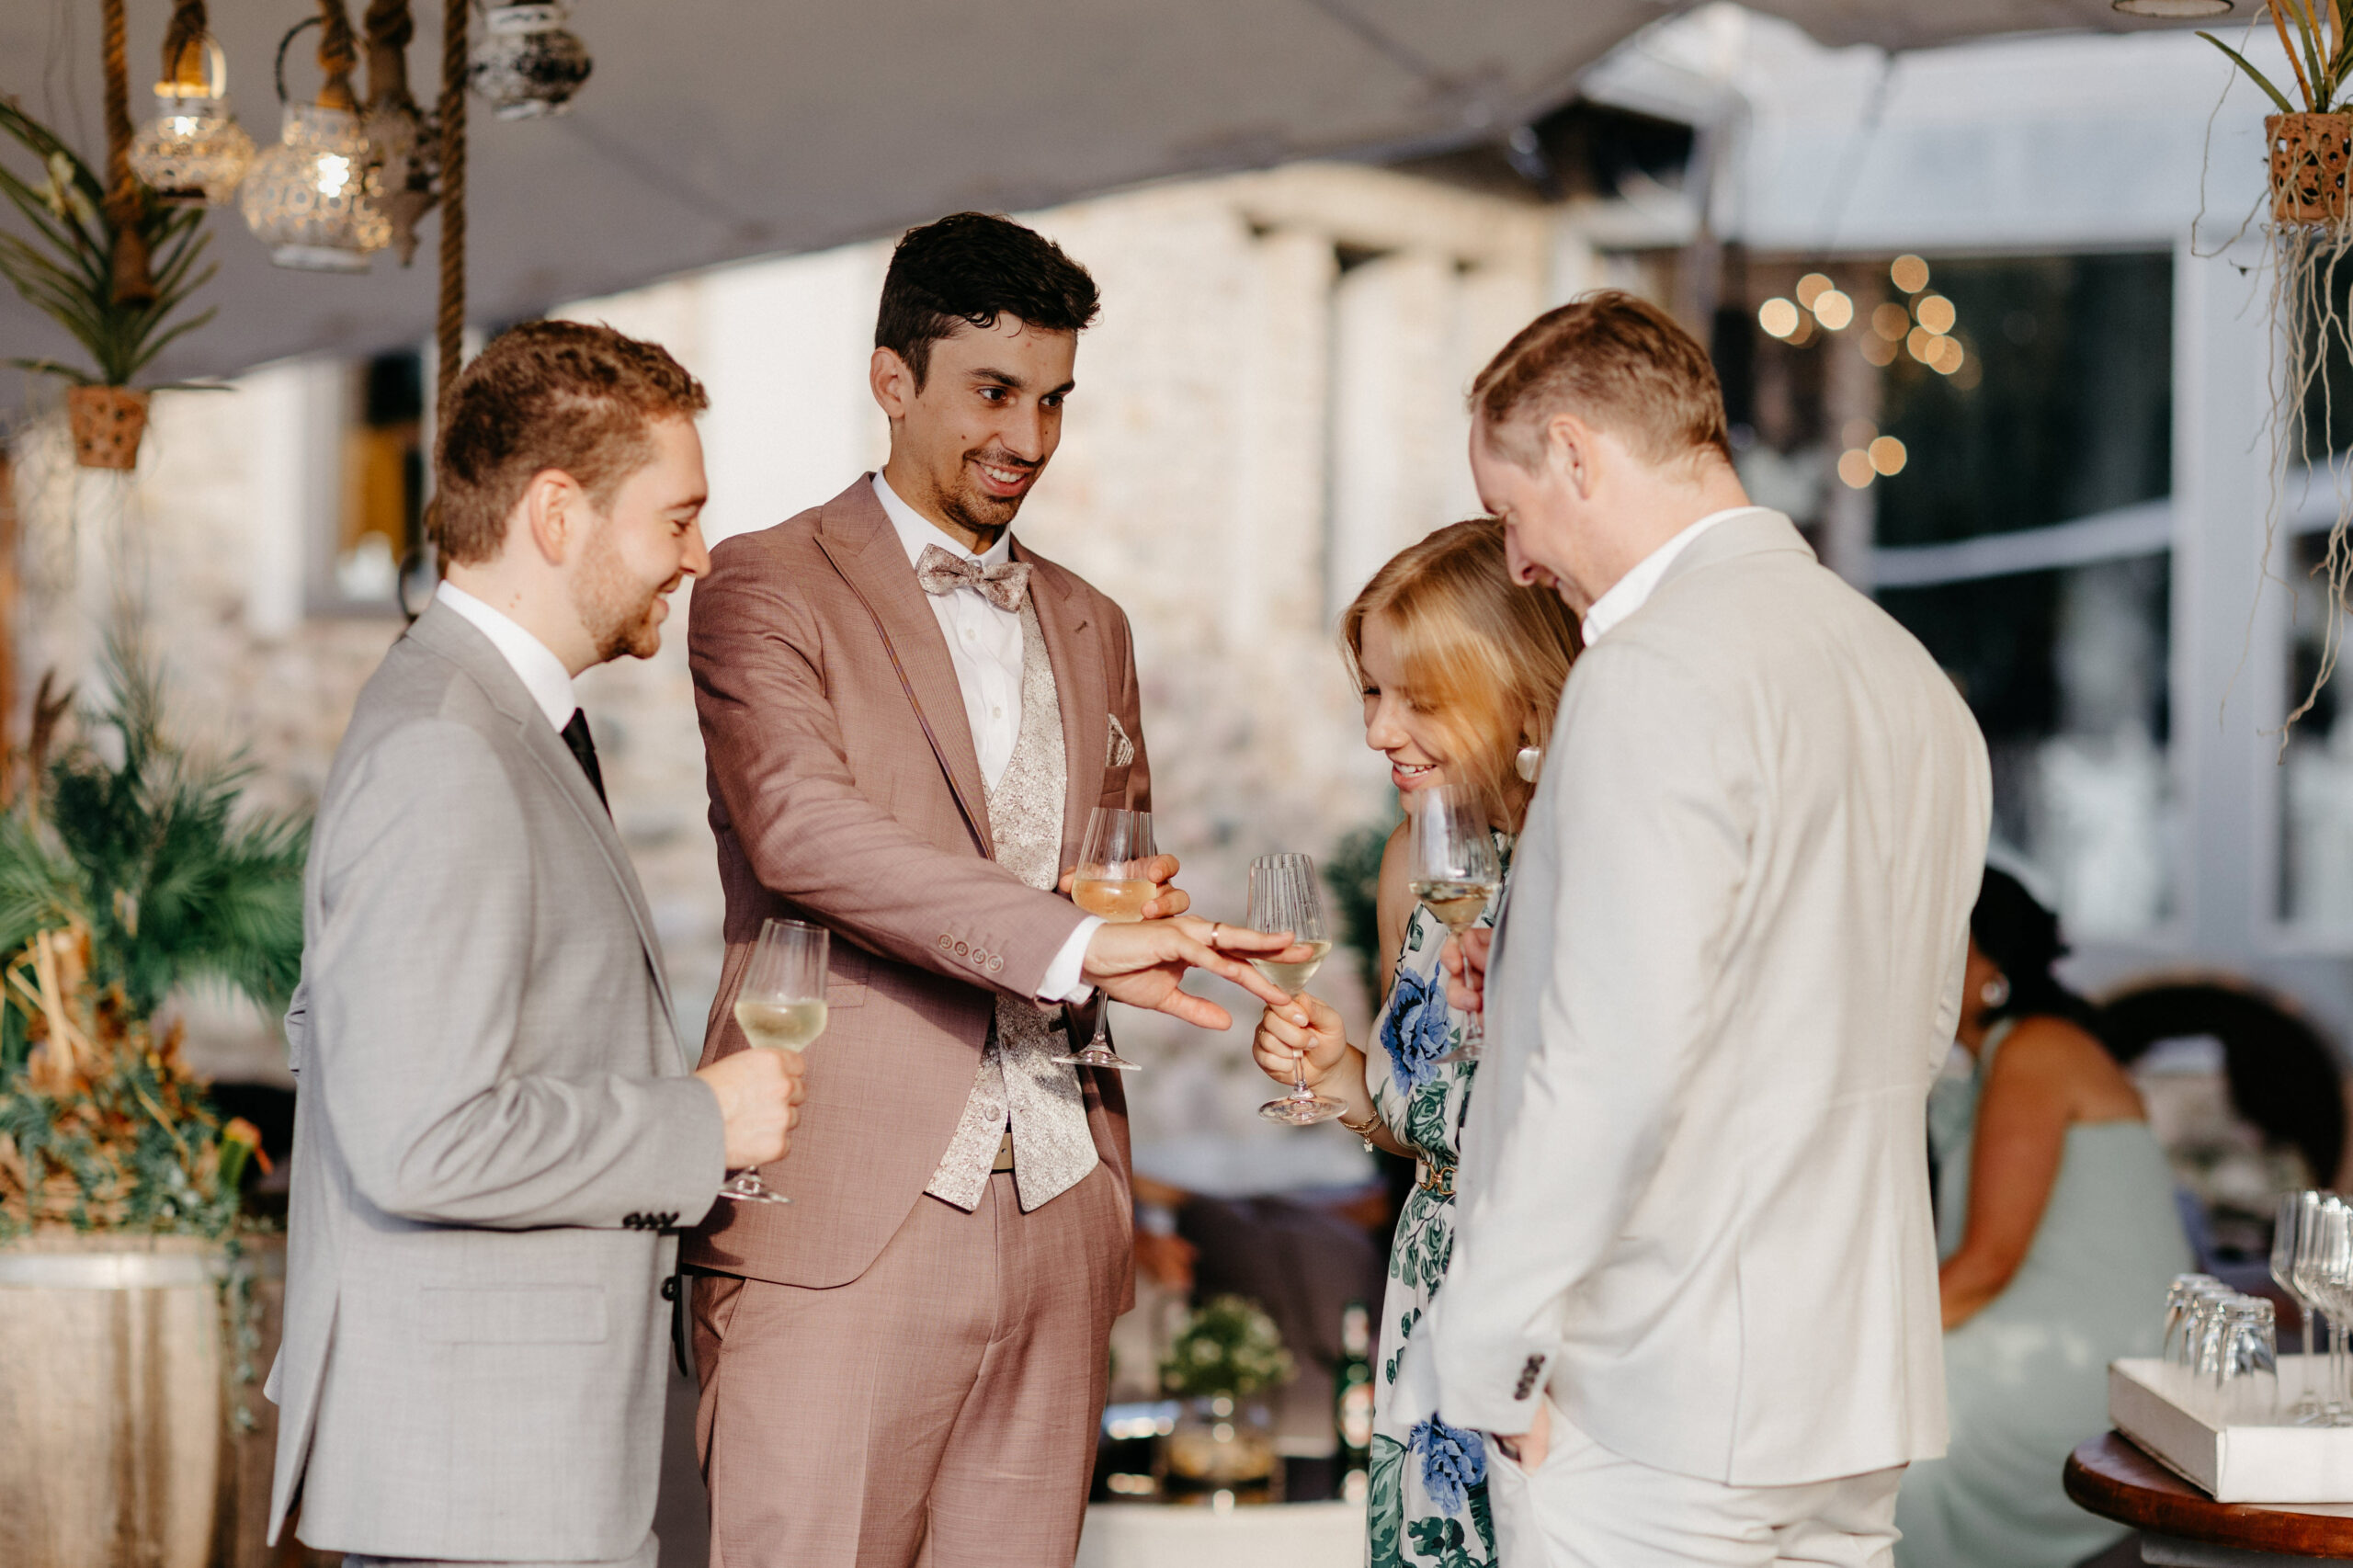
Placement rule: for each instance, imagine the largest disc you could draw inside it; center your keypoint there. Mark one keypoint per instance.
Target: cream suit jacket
(1694, 1195)
(493, 1132)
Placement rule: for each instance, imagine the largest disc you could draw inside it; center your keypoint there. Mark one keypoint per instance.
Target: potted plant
(2308, 146)
(66, 268)
(1223, 1446)
(134, 1303)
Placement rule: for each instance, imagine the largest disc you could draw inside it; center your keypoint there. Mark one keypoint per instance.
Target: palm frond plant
(126, 871)
(66, 268)
(2318, 37)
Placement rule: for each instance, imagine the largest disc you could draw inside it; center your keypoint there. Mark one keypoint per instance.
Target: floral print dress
(1428, 1503)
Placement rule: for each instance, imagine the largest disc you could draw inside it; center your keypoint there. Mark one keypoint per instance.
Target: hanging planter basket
(2308, 167)
(107, 423)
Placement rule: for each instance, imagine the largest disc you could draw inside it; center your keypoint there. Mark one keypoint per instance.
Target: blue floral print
(1416, 1031)
(1453, 1462)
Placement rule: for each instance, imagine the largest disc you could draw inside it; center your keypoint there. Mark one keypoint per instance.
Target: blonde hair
(1618, 362)
(1477, 651)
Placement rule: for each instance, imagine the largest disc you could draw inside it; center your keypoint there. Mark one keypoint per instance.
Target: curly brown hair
(1618, 362)
(548, 395)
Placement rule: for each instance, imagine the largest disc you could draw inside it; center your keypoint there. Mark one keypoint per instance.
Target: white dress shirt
(1633, 590)
(534, 663)
(984, 644)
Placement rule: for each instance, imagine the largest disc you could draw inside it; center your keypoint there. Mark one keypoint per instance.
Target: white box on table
(2184, 1421)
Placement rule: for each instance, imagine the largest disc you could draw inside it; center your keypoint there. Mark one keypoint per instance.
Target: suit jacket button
(996, 962)
(946, 942)
(962, 949)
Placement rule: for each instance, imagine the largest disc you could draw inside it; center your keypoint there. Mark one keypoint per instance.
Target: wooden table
(2180, 1525)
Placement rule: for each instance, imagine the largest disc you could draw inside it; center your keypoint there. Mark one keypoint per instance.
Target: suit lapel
(1074, 648)
(857, 538)
(450, 634)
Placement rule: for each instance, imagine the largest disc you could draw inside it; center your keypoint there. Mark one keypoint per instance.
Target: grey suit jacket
(494, 1129)
(1692, 1200)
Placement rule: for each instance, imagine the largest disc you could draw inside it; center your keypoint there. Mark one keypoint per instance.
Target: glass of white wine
(1112, 883)
(780, 1006)
(1284, 896)
(1452, 868)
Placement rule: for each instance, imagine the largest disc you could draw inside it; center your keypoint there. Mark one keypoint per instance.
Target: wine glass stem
(1298, 1089)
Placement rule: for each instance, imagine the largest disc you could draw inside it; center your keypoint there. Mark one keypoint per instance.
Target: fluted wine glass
(2323, 1272)
(1453, 869)
(2287, 1226)
(1284, 896)
(779, 1006)
(1112, 881)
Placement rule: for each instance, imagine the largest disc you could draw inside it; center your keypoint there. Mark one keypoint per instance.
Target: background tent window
(383, 470)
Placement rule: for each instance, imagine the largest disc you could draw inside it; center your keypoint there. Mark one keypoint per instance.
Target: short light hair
(1614, 360)
(548, 395)
(1477, 651)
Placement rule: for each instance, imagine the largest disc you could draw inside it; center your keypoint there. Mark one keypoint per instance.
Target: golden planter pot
(2308, 164)
(107, 423)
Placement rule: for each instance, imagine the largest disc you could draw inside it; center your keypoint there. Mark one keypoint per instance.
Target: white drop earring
(1995, 992)
(1528, 762)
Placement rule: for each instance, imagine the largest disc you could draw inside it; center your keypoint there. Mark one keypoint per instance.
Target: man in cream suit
(496, 1129)
(1693, 1299)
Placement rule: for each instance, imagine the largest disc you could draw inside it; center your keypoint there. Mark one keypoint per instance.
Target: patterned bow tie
(941, 573)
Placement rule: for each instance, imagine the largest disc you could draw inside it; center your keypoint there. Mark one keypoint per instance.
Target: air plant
(66, 271)
(2320, 52)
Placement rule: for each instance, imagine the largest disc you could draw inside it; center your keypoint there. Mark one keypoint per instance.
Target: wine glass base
(1099, 1056)
(747, 1187)
(1297, 1112)
(1460, 1054)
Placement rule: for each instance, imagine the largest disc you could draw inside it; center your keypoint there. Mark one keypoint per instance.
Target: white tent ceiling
(720, 129)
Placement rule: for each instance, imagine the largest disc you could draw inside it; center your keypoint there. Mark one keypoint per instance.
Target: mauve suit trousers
(965, 1370)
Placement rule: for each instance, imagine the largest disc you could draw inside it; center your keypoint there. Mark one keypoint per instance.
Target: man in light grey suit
(497, 1132)
(1693, 1297)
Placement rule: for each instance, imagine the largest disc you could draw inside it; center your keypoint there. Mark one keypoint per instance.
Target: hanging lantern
(194, 150)
(312, 198)
(404, 144)
(527, 64)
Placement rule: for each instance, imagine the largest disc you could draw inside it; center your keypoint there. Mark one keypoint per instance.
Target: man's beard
(616, 610)
(970, 507)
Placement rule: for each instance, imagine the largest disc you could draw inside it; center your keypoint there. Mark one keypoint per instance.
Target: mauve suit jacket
(845, 790)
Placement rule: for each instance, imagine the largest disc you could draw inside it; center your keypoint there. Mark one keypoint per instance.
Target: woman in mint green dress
(1461, 672)
(2058, 1231)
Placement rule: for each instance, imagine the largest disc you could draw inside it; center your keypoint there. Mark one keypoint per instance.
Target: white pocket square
(1122, 751)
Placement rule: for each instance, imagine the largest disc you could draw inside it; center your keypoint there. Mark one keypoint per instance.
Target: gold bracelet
(1364, 1132)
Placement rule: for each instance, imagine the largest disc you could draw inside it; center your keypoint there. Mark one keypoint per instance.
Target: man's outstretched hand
(1167, 901)
(1144, 964)
(1465, 958)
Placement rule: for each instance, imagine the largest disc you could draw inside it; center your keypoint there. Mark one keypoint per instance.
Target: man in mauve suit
(908, 718)
(496, 1130)
(1693, 1299)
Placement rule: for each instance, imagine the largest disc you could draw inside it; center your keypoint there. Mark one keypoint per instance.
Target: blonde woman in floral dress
(1461, 673)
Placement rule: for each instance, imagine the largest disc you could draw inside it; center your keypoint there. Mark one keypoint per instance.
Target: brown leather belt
(1003, 1152)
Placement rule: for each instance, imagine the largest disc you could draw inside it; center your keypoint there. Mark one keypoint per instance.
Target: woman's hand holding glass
(1281, 1043)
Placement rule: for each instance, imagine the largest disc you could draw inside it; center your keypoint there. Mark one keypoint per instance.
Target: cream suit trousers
(1586, 1508)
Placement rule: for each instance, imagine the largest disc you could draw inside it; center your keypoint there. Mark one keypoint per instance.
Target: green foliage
(1229, 1345)
(66, 268)
(144, 847)
(126, 871)
(1353, 872)
(2318, 36)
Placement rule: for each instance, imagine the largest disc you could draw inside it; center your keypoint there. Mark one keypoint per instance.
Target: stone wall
(1271, 406)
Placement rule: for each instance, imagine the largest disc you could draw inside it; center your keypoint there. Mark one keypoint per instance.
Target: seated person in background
(2059, 1234)
(1461, 672)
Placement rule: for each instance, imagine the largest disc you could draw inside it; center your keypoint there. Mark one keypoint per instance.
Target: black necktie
(584, 750)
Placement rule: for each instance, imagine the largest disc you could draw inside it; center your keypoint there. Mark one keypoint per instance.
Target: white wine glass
(2289, 1225)
(779, 1006)
(1451, 866)
(2323, 1272)
(1112, 883)
(1284, 896)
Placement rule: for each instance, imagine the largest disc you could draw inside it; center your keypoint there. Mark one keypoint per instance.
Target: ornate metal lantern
(312, 198)
(529, 65)
(194, 150)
